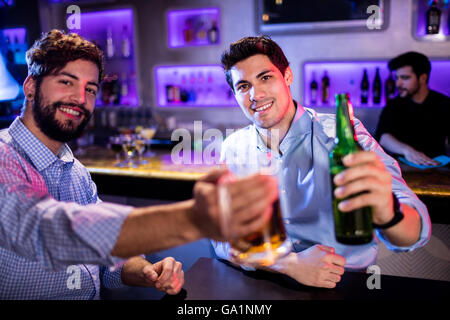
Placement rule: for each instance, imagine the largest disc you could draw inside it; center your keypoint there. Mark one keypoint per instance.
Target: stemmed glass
(129, 149)
(140, 146)
(147, 134)
(115, 144)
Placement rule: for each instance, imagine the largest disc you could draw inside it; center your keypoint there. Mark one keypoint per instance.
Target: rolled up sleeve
(56, 234)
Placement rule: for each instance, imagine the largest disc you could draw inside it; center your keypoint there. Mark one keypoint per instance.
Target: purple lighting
(94, 25)
(192, 86)
(346, 76)
(196, 27)
(113, 32)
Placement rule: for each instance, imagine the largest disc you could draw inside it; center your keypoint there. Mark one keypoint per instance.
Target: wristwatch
(398, 216)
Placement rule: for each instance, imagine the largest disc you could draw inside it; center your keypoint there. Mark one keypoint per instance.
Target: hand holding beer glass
(267, 245)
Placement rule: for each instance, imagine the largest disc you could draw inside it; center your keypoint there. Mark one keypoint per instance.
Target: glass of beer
(270, 243)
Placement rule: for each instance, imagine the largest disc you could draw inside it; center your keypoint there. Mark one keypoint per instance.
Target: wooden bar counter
(163, 179)
(210, 279)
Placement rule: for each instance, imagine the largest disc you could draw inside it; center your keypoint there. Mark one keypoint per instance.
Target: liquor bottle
(125, 42)
(188, 31)
(353, 227)
(433, 18)
(200, 34)
(376, 91)
(109, 44)
(313, 89)
(365, 88)
(389, 87)
(115, 97)
(124, 89)
(325, 88)
(213, 33)
(184, 95)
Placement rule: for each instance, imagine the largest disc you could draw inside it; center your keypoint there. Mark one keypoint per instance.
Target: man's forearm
(392, 144)
(407, 232)
(156, 228)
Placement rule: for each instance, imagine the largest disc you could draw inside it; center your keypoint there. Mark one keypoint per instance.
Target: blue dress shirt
(305, 184)
(51, 219)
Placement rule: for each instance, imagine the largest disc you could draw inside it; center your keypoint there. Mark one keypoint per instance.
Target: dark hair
(418, 62)
(55, 49)
(250, 46)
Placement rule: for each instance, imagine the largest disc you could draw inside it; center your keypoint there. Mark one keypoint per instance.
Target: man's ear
(29, 87)
(423, 79)
(288, 76)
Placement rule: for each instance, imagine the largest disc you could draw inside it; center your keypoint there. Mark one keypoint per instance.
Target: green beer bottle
(353, 227)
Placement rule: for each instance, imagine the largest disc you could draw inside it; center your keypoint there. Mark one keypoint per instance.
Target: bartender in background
(415, 123)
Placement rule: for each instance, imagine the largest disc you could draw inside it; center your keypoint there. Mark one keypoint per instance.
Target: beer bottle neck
(345, 133)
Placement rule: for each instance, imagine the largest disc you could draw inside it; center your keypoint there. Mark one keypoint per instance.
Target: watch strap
(398, 216)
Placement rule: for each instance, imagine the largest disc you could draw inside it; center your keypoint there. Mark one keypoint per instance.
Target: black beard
(409, 94)
(45, 117)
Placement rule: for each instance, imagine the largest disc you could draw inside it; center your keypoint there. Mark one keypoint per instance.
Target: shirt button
(94, 277)
(297, 242)
(286, 221)
(283, 190)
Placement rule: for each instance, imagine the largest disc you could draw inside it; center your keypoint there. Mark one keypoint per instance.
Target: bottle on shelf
(325, 88)
(200, 89)
(188, 31)
(184, 94)
(213, 33)
(433, 18)
(126, 48)
(109, 43)
(124, 89)
(200, 34)
(169, 93)
(191, 91)
(115, 97)
(376, 90)
(355, 227)
(209, 96)
(365, 88)
(389, 87)
(313, 87)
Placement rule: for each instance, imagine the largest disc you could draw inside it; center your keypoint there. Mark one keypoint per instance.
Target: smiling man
(259, 75)
(54, 227)
(415, 123)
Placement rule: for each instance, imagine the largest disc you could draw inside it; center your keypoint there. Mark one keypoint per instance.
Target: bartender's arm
(392, 144)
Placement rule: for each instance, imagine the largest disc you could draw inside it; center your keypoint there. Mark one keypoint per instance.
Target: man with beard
(54, 230)
(415, 123)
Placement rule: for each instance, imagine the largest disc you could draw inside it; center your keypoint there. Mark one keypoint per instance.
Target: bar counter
(163, 179)
(210, 279)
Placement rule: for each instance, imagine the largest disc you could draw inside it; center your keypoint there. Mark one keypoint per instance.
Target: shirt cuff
(425, 232)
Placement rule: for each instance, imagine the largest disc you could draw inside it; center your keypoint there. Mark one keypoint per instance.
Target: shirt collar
(38, 153)
(301, 125)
